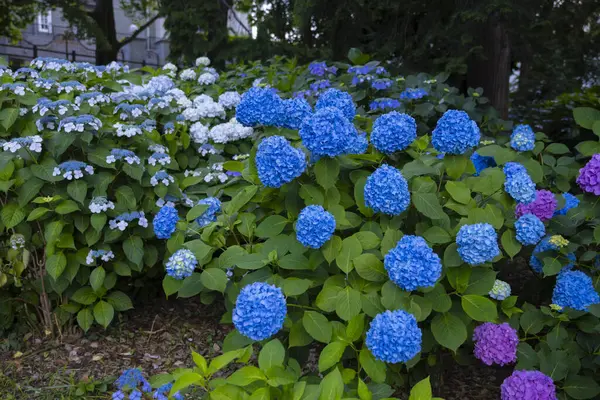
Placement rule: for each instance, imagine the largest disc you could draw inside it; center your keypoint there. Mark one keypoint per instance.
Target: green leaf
(37, 213)
(332, 386)
(428, 204)
(56, 264)
(271, 226)
(581, 387)
(351, 248)
(510, 243)
(97, 278)
(85, 296)
(66, 207)
(551, 266)
(368, 240)
(170, 285)
(359, 197)
(374, 368)
(440, 300)
(451, 256)
(437, 235)
(526, 356)
(295, 286)
(355, 327)
(326, 172)
(327, 298)
(11, 215)
(196, 212)
(586, 116)
(554, 364)
(455, 165)
(369, 267)
(85, 318)
(557, 148)
(331, 249)
(449, 330)
(421, 391)
(479, 308)
(77, 190)
(317, 326)
(240, 199)
(119, 300)
(103, 313)
(8, 117)
(200, 362)
(191, 286)
(133, 247)
(390, 240)
(185, 380)
(331, 355)
(490, 181)
(363, 391)
(272, 354)
(348, 303)
(481, 281)
(294, 261)
(246, 375)
(200, 249)
(298, 335)
(223, 360)
(29, 190)
(214, 279)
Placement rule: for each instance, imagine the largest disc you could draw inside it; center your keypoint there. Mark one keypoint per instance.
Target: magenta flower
(589, 176)
(542, 207)
(496, 343)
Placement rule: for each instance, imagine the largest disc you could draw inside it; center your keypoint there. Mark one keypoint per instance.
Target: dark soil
(157, 338)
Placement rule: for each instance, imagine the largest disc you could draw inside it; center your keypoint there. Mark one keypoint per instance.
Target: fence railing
(25, 53)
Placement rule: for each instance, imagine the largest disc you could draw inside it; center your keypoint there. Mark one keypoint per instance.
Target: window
(45, 22)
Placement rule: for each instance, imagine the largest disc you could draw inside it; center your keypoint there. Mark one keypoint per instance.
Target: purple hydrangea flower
(528, 385)
(589, 176)
(542, 207)
(496, 343)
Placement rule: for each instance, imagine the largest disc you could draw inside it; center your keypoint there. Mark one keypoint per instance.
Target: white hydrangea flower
(202, 62)
(188, 74)
(199, 133)
(230, 99)
(207, 78)
(229, 132)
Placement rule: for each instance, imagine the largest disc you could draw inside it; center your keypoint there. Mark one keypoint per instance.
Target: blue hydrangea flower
(314, 226)
(327, 133)
(260, 106)
(394, 336)
(570, 202)
(296, 111)
(413, 94)
(393, 132)
(481, 163)
(259, 311)
(382, 84)
(277, 162)
(384, 104)
(530, 229)
(413, 264)
(500, 290)
(165, 221)
(518, 183)
(210, 215)
(181, 264)
(337, 99)
(130, 379)
(477, 243)
(547, 244)
(522, 138)
(455, 133)
(359, 144)
(574, 289)
(162, 393)
(386, 191)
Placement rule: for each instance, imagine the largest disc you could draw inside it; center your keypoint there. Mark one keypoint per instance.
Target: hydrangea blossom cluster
(80, 123)
(319, 68)
(542, 207)
(530, 229)
(570, 202)
(296, 111)
(394, 336)
(260, 106)
(159, 158)
(382, 84)
(589, 176)
(131, 381)
(528, 385)
(481, 163)
(122, 221)
(17, 241)
(161, 177)
(45, 84)
(337, 99)
(165, 222)
(574, 289)
(72, 170)
(60, 107)
(229, 100)
(500, 290)
(384, 104)
(522, 138)
(25, 72)
(122, 154)
(32, 143)
(455, 133)
(70, 86)
(495, 343)
(210, 215)
(386, 191)
(277, 162)
(162, 393)
(314, 226)
(229, 132)
(477, 243)
(47, 122)
(169, 128)
(127, 130)
(101, 204)
(92, 98)
(393, 132)
(104, 255)
(181, 264)
(413, 264)
(327, 133)
(203, 107)
(202, 62)
(259, 311)
(206, 78)
(318, 86)
(129, 111)
(518, 183)
(549, 243)
(187, 74)
(17, 88)
(413, 94)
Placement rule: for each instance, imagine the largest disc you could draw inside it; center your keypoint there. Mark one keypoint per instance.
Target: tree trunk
(104, 16)
(491, 70)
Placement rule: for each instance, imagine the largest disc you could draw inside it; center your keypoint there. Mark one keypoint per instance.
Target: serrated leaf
(317, 326)
(214, 279)
(103, 313)
(331, 355)
(449, 330)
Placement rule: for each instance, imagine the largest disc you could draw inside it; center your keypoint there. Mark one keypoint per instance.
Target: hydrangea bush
(335, 207)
